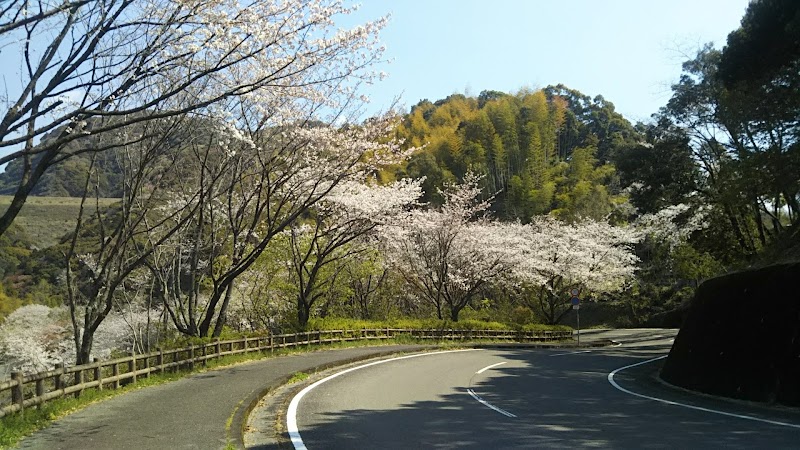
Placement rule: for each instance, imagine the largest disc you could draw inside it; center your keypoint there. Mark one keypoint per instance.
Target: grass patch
(297, 377)
(46, 219)
(332, 323)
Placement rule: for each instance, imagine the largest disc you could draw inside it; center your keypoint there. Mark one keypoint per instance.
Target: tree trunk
(737, 230)
(223, 311)
(303, 312)
(85, 351)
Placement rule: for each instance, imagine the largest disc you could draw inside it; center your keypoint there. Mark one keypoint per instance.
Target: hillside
(544, 151)
(47, 219)
(67, 178)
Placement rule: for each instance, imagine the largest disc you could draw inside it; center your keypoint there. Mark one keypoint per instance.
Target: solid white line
(489, 367)
(485, 403)
(570, 353)
(698, 408)
(291, 413)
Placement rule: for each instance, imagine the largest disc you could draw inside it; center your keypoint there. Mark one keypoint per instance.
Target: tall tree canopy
(537, 151)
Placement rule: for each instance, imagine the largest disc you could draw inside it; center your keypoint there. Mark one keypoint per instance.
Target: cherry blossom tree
(448, 255)
(255, 83)
(674, 224)
(256, 184)
(556, 257)
(340, 229)
(90, 67)
(36, 338)
(108, 246)
(32, 339)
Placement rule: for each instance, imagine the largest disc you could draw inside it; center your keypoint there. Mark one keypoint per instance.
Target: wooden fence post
(271, 347)
(115, 373)
(79, 381)
(217, 349)
(16, 391)
(39, 391)
(160, 360)
(57, 379)
(191, 357)
(98, 375)
(132, 366)
(147, 365)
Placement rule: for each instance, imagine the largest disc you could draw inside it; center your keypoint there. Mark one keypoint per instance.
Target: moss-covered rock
(741, 337)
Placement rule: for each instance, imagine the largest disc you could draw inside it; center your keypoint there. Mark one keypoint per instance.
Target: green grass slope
(47, 219)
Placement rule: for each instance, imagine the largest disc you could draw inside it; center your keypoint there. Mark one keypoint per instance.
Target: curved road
(512, 398)
(190, 413)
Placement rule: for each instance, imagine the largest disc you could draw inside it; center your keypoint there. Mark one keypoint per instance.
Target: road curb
(240, 416)
(521, 345)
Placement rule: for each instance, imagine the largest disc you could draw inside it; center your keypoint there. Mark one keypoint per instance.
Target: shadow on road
(559, 402)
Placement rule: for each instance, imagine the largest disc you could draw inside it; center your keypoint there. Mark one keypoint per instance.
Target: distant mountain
(67, 178)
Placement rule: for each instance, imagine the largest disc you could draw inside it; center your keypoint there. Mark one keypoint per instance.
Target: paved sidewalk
(190, 413)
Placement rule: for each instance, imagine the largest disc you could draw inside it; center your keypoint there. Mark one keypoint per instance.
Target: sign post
(576, 305)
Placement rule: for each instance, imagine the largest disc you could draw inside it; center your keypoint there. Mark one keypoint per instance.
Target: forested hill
(104, 154)
(539, 151)
(67, 179)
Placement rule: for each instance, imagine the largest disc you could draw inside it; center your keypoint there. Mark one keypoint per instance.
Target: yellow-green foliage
(539, 151)
(8, 304)
(421, 324)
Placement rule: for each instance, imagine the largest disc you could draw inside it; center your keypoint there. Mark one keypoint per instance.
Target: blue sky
(628, 51)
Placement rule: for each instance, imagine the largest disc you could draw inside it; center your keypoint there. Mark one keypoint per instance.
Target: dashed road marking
(490, 367)
(489, 405)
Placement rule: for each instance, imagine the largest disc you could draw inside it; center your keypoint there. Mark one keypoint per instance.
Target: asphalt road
(530, 398)
(190, 413)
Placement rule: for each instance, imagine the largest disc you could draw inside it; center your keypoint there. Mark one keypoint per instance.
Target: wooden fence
(25, 391)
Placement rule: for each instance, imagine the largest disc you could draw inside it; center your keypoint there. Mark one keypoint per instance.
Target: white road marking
(491, 406)
(697, 408)
(291, 413)
(491, 366)
(570, 353)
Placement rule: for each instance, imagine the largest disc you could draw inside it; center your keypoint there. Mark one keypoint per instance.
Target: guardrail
(29, 390)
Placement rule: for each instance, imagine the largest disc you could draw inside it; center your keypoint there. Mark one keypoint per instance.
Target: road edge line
(697, 408)
(291, 413)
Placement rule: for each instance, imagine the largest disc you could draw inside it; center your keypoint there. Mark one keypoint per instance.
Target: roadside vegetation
(246, 195)
(14, 427)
